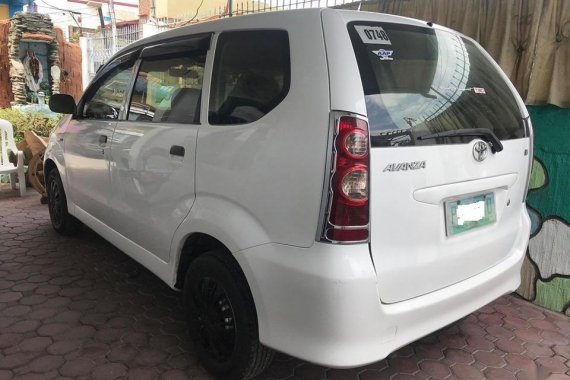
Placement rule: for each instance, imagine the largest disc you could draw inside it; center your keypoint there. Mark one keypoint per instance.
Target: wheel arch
(213, 223)
(49, 165)
(197, 243)
(248, 354)
(194, 246)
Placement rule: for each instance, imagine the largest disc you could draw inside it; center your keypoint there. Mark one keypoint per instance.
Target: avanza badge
(399, 166)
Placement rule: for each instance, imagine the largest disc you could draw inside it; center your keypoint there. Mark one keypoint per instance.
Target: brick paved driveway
(79, 308)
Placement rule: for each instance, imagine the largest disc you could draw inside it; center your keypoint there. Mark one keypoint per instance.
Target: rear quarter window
(420, 80)
(251, 75)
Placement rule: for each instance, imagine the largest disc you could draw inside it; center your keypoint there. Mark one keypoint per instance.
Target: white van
(328, 184)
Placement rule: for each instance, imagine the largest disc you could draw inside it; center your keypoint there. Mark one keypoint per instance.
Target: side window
(251, 76)
(168, 90)
(107, 98)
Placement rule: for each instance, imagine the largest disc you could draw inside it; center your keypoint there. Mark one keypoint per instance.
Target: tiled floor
(79, 308)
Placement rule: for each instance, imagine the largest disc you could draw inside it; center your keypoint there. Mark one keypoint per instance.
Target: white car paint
(258, 187)
(414, 249)
(151, 187)
(87, 165)
(322, 303)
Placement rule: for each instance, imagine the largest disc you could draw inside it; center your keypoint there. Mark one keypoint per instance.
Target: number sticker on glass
(372, 35)
(469, 213)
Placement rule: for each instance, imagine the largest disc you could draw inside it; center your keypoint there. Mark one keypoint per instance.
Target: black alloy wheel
(55, 203)
(215, 319)
(222, 318)
(63, 222)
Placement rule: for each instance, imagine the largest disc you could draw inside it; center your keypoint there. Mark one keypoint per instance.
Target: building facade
(175, 9)
(77, 17)
(9, 7)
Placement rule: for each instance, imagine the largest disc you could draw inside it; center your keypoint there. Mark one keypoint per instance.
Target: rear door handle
(177, 150)
(102, 139)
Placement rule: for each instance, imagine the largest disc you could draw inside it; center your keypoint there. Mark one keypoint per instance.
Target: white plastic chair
(6, 167)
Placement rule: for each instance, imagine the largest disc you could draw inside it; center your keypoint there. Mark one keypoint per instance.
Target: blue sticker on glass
(384, 55)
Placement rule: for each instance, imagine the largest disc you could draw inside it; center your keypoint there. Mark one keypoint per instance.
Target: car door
(152, 159)
(88, 138)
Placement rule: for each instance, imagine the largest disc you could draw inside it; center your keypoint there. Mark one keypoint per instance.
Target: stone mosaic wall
(546, 272)
(68, 56)
(39, 27)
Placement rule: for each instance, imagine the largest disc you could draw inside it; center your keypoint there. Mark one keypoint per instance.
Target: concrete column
(149, 30)
(85, 62)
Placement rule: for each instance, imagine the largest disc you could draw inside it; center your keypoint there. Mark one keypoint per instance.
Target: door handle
(102, 139)
(177, 150)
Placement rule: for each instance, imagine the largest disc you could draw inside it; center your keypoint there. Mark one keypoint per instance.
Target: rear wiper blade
(483, 133)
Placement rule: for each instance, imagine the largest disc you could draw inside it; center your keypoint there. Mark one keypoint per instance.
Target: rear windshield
(419, 81)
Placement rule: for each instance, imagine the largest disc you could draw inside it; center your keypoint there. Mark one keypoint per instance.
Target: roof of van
(238, 22)
(241, 22)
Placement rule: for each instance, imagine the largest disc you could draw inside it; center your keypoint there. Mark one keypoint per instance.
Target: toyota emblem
(480, 150)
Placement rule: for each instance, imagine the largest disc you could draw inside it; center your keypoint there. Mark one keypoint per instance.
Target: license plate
(468, 213)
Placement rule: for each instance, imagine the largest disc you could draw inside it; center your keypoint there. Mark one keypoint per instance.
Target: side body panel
(148, 259)
(252, 180)
(55, 152)
(87, 152)
(152, 189)
(262, 182)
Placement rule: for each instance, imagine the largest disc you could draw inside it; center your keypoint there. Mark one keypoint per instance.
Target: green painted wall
(554, 294)
(548, 275)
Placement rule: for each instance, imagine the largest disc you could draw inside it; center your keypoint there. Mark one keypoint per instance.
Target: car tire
(63, 222)
(222, 318)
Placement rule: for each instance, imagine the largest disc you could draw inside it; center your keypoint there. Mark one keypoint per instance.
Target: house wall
(4, 11)
(86, 13)
(9, 7)
(546, 272)
(6, 95)
(186, 9)
(70, 64)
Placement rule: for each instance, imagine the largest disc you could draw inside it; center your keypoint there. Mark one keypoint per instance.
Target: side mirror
(62, 103)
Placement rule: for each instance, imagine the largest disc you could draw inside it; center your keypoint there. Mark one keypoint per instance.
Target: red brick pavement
(79, 308)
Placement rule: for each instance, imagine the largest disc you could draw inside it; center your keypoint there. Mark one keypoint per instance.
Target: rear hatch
(442, 209)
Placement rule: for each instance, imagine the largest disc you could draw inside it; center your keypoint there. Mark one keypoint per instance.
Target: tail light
(346, 215)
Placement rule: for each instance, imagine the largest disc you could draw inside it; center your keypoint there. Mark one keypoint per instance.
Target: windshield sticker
(384, 55)
(372, 34)
(479, 90)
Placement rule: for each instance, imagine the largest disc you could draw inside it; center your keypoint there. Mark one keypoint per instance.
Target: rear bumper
(321, 303)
